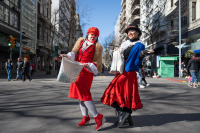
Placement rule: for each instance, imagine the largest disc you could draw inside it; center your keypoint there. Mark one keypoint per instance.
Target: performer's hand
(62, 55)
(150, 51)
(86, 66)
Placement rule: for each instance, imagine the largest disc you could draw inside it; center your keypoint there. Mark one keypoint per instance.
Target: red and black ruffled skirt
(124, 90)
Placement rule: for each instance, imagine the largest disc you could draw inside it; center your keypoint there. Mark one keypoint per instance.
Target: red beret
(93, 30)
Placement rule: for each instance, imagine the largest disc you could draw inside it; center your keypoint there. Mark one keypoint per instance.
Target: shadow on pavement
(155, 120)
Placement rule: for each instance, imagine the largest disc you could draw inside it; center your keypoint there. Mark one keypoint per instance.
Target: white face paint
(132, 34)
(92, 37)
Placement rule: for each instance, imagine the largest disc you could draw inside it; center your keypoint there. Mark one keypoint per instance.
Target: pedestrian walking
(88, 52)
(26, 70)
(9, 67)
(143, 77)
(182, 68)
(32, 70)
(58, 67)
(139, 76)
(102, 68)
(198, 77)
(193, 66)
(122, 93)
(19, 68)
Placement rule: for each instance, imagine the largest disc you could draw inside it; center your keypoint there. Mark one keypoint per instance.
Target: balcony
(135, 19)
(123, 2)
(42, 17)
(135, 2)
(40, 43)
(135, 9)
(194, 24)
(122, 19)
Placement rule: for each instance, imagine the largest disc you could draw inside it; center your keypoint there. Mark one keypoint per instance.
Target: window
(172, 3)
(47, 36)
(172, 25)
(184, 20)
(47, 12)
(43, 10)
(38, 7)
(193, 11)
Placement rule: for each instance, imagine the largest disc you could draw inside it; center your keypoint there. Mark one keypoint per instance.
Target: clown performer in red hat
(122, 93)
(88, 52)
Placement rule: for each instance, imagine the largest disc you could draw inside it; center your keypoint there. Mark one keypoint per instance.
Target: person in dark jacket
(9, 67)
(26, 69)
(19, 68)
(193, 66)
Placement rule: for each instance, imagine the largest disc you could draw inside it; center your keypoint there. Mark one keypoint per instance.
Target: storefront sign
(23, 48)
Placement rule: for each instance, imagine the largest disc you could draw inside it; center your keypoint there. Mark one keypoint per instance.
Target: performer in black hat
(122, 93)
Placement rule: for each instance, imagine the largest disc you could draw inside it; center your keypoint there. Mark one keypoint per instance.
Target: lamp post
(20, 50)
(179, 38)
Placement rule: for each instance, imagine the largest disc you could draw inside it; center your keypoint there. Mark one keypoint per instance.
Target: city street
(43, 106)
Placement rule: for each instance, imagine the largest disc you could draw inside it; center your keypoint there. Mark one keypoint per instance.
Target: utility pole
(20, 51)
(180, 39)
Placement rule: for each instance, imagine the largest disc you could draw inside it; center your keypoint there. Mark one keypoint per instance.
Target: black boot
(128, 121)
(121, 118)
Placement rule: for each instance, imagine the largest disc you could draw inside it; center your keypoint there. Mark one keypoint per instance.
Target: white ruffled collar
(127, 44)
(84, 45)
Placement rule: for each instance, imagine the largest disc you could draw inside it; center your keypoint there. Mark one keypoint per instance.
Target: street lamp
(179, 38)
(20, 50)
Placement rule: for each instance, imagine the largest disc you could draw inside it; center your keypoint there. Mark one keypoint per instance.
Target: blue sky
(104, 16)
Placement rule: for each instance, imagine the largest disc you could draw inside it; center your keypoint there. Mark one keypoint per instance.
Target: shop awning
(197, 51)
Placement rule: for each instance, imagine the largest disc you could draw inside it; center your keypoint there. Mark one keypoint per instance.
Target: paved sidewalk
(37, 74)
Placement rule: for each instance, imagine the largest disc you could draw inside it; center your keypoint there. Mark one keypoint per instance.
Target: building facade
(44, 45)
(67, 25)
(79, 32)
(130, 13)
(10, 24)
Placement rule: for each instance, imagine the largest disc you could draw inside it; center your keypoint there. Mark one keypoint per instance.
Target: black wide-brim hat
(133, 27)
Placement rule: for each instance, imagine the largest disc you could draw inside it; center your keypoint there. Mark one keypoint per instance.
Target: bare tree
(58, 17)
(108, 45)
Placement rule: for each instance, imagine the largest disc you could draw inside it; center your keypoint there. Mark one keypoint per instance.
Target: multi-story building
(10, 25)
(44, 44)
(130, 13)
(29, 27)
(79, 32)
(190, 23)
(161, 22)
(117, 33)
(67, 25)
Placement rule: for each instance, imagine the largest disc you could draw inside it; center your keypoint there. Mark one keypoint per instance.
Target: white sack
(69, 71)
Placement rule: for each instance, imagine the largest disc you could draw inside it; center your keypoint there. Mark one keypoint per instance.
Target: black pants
(143, 79)
(24, 78)
(32, 72)
(124, 109)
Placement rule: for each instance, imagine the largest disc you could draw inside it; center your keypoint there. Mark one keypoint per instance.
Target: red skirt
(81, 88)
(124, 90)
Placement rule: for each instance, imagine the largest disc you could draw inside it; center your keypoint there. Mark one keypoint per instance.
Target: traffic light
(11, 42)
